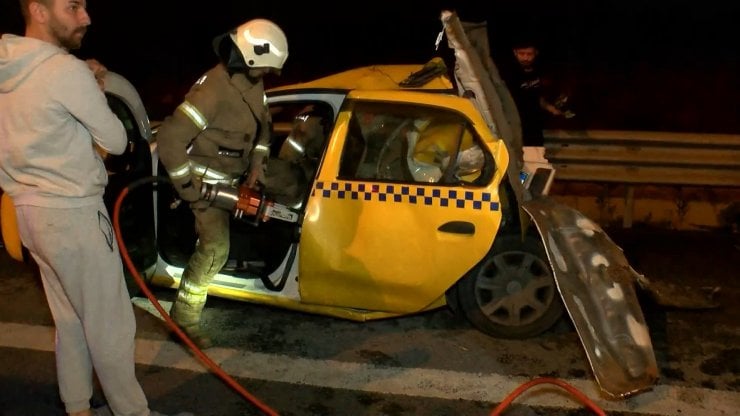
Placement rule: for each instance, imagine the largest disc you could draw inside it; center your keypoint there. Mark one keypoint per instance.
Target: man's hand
(100, 151)
(256, 176)
(550, 108)
(99, 71)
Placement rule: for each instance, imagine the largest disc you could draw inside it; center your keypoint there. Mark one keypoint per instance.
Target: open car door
(594, 279)
(137, 210)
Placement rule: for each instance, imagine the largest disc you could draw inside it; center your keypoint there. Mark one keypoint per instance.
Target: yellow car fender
(9, 227)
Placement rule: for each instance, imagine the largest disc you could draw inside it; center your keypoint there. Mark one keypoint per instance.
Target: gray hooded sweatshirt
(51, 113)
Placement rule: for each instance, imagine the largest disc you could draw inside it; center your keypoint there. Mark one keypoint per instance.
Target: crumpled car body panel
(593, 277)
(596, 284)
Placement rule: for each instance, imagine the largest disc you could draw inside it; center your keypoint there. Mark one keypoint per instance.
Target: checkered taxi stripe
(406, 194)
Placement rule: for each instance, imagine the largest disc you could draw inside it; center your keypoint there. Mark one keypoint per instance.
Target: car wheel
(511, 293)
(453, 301)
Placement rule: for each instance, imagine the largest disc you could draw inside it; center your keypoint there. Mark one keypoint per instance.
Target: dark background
(638, 65)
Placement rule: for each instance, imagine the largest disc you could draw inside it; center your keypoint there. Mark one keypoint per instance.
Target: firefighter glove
(188, 190)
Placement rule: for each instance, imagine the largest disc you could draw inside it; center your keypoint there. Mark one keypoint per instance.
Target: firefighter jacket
(221, 128)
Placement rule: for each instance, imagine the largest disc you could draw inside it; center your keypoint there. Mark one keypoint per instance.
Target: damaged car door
(406, 205)
(592, 275)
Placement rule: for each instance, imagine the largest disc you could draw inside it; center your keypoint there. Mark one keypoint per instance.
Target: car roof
(373, 77)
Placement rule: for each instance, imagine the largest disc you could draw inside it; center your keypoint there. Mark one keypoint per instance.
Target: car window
(412, 143)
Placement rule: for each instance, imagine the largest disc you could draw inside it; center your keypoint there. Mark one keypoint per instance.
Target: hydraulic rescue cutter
(244, 201)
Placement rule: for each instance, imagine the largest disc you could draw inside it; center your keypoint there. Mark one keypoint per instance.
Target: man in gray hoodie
(53, 120)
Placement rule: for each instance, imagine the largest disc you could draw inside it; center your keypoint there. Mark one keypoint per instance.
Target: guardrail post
(650, 165)
(629, 204)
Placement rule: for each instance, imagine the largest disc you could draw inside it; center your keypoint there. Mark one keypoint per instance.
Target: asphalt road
(430, 364)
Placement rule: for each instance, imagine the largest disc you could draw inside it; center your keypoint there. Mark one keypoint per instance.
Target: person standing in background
(53, 119)
(528, 87)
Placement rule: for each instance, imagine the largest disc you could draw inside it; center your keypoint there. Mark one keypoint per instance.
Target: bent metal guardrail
(678, 180)
(641, 157)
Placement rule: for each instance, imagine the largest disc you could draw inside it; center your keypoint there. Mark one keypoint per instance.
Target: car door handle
(457, 227)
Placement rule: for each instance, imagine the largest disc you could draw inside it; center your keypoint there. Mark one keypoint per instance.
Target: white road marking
(665, 400)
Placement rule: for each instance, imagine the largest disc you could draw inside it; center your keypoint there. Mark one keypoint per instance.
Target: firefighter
(219, 134)
(289, 175)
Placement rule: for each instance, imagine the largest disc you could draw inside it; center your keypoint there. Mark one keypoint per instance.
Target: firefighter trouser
(81, 271)
(211, 253)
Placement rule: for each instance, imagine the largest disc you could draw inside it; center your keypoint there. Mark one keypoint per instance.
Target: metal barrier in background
(676, 180)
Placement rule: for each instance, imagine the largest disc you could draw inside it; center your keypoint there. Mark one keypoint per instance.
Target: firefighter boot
(187, 317)
(186, 312)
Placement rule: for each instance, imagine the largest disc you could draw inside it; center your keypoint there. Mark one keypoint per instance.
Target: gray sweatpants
(82, 274)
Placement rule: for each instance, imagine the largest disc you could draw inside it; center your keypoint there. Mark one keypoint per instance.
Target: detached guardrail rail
(636, 158)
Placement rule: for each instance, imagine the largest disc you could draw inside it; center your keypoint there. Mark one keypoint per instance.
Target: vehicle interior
(413, 144)
(257, 247)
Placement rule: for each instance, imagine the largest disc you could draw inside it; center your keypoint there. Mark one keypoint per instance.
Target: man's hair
(24, 7)
(524, 43)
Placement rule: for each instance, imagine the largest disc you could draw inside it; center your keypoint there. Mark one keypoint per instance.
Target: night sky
(642, 65)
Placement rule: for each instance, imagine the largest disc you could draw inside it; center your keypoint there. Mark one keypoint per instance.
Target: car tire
(453, 301)
(511, 293)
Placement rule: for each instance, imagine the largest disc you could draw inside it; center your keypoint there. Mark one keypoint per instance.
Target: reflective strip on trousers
(191, 293)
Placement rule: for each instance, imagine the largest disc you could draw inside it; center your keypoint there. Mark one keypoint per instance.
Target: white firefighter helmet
(262, 44)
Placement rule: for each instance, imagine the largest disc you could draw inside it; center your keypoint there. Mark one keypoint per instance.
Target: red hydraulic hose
(498, 411)
(168, 320)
